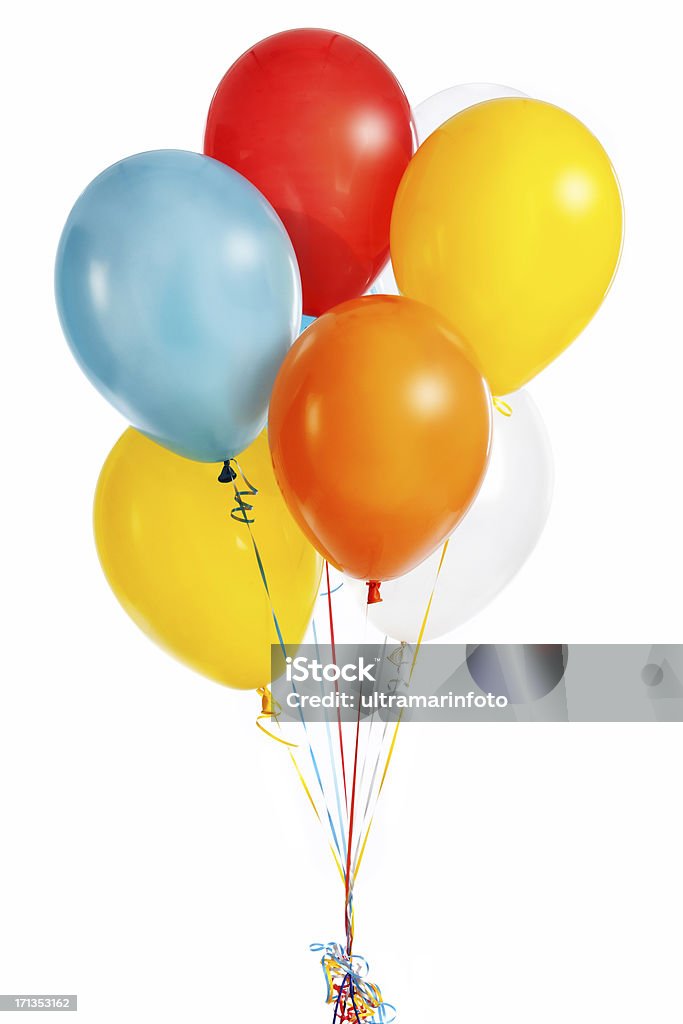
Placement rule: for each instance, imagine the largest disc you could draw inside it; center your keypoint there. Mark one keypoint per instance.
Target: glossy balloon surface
(508, 221)
(179, 295)
(379, 427)
(186, 572)
(322, 127)
(489, 546)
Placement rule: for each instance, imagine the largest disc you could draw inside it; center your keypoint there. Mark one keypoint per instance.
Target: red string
(336, 682)
(349, 932)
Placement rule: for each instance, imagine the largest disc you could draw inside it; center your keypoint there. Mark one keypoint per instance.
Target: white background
(156, 854)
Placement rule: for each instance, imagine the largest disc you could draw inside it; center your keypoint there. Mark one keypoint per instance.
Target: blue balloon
(179, 294)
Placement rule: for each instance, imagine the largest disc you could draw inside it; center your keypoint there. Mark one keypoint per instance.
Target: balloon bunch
(181, 280)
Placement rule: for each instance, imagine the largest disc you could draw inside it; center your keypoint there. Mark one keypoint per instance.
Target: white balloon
(489, 546)
(430, 115)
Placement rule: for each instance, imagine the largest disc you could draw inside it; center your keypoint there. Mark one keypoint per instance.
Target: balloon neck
(374, 596)
(267, 703)
(227, 474)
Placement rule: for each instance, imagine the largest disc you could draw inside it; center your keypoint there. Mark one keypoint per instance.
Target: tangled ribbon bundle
(356, 1000)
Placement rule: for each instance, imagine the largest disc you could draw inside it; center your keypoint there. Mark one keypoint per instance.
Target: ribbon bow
(357, 1000)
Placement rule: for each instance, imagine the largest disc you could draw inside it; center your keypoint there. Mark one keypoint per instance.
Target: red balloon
(323, 129)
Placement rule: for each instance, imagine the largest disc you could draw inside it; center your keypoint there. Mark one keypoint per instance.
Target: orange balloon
(379, 428)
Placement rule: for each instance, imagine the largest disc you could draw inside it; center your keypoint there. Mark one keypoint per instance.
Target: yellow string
(427, 611)
(504, 408)
(315, 811)
(362, 849)
(420, 638)
(271, 709)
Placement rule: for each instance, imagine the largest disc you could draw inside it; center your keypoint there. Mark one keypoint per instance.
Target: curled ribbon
(356, 1000)
(271, 710)
(240, 513)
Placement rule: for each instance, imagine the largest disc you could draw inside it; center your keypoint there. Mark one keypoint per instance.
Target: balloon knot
(227, 474)
(374, 596)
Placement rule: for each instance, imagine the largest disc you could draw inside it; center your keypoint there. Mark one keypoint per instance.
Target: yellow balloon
(186, 572)
(509, 222)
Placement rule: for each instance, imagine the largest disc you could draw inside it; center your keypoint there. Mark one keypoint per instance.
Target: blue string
(324, 593)
(244, 508)
(330, 747)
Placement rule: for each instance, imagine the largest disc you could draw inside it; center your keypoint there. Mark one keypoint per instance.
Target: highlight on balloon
(321, 330)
